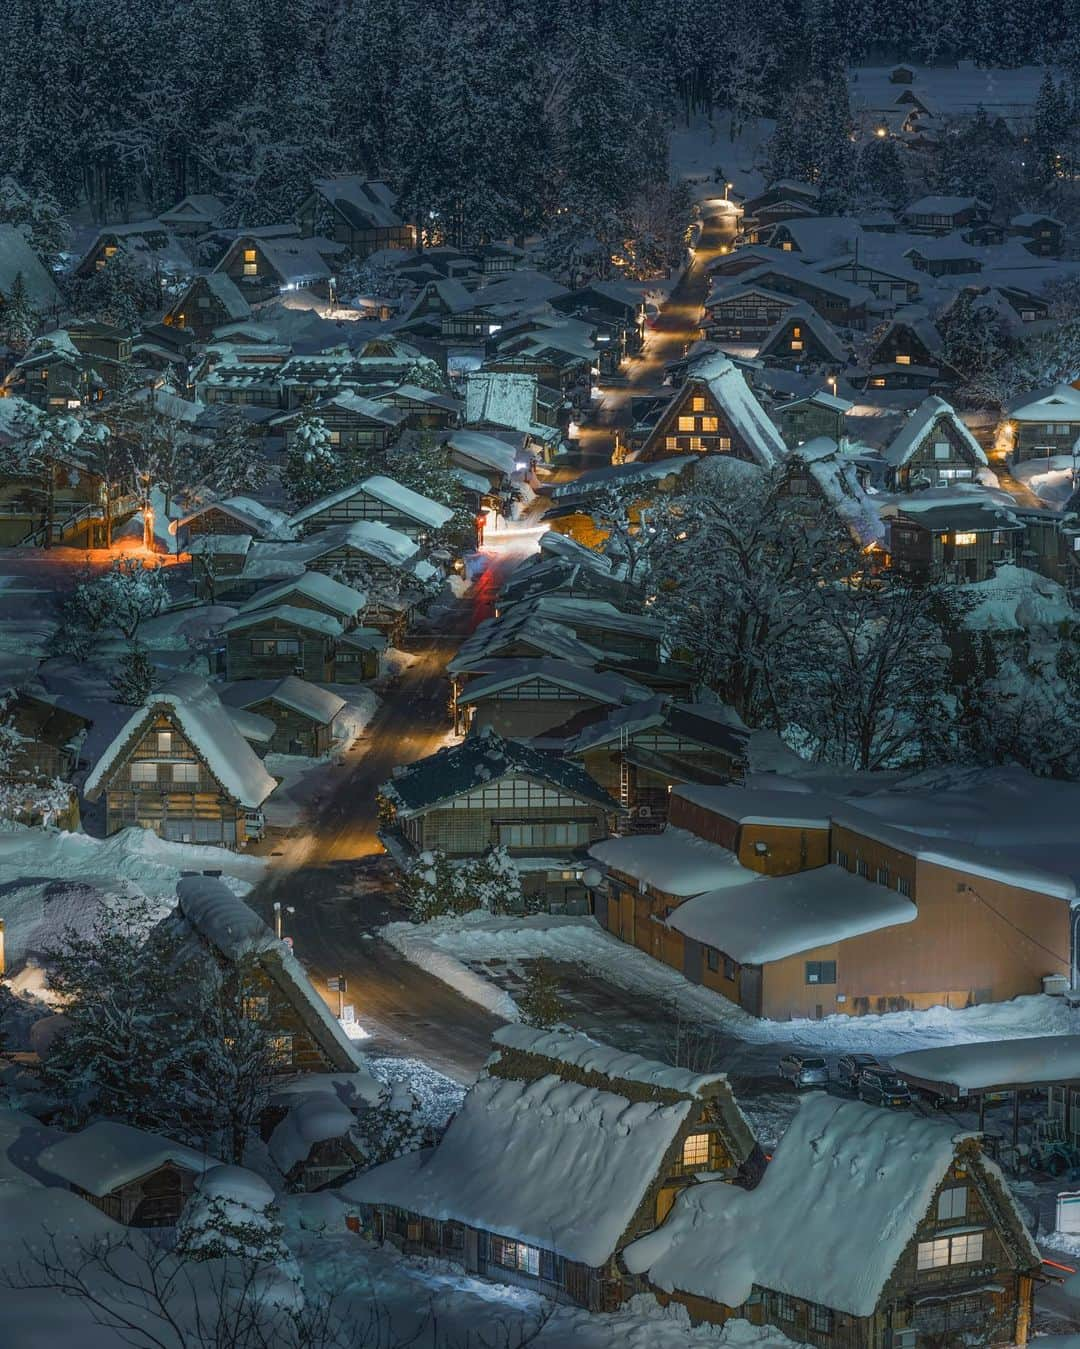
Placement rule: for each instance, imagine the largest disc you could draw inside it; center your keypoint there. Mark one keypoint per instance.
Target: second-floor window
(944, 1251)
(275, 646)
(952, 1203)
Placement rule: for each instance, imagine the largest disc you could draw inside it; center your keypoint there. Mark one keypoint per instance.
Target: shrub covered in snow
(541, 1003)
(231, 1213)
(435, 887)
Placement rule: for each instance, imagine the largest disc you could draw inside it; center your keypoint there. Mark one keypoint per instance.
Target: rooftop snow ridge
(588, 1055)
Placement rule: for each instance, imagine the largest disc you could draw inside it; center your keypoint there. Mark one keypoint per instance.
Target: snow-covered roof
(206, 723)
(304, 697)
(919, 425)
(849, 1182)
(618, 476)
(772, 917)
(17, 258)
(222, 919)
(552, 640)
(1031, 1061)
(940, 206)
(261, 521)
(747, 417)
(553, 1163)
(1060, 403)
(479, 760)
(203, 545)
(366, 203)
(503, 398)
(107, 1155)
(838, 481)
(371, 537)
(487, 451)
(603, 686)
(676, 861)
(581, 1051)
(406, 501)
(256, 729)
(807, 317)
(745, 805)
(823, 236)
(313, 1118)
(227, 293)
(313, 585)
(307, 620)
(586, 613)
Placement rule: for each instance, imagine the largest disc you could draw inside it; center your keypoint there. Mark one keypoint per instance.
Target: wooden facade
(295, 732)
(745, 314)
(941, 456)
(154, 1200)
(694, 423)
(971, 549)
(161, 781)
(270, 646)
(807, 418)
(344, 507)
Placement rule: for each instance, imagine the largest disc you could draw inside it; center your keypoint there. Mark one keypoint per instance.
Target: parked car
(877, 1086)
(802, 1071)
(852, 1066)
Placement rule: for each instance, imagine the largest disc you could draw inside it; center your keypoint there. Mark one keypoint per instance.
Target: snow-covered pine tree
(232, 1214)
(19, 320)
(312, 467)
(541, 1003)
(136, 677)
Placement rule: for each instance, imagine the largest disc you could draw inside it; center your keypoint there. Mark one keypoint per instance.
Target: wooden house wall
(694, 423)
(153, 1200)
(216, 521)
(804, 423)
(199, 310)
(923, 462)
(313, 660)
(744, 317)
(782, 351)
(523, 718)
(293, 729)
(355, 434)
(902, 341)
(1039, 440)
(837, 309)
(360, 506)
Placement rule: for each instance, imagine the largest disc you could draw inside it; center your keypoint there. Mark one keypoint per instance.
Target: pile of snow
(49, 881)
(316, 1117)
(1015, 599)
(1050, 477)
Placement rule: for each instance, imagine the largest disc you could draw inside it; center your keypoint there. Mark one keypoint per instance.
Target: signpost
(339, 985)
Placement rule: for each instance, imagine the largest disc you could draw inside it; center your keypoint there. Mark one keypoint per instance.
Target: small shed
(136, 1178)
(303, 714)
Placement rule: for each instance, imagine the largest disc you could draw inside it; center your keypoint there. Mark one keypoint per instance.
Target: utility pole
(279, 918)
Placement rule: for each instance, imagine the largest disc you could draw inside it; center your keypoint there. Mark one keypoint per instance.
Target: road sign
(348, 1015)
(337, 984)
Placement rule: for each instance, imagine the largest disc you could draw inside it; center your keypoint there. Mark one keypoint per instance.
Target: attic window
(699, 404)
(164, 742)
(695, 1152)
(796, 345)
(110, 250)
(941, 449)
(796, 332)
(249, 255)
(787, 246)
(902, 359)
(960, 1250)
(710, 424)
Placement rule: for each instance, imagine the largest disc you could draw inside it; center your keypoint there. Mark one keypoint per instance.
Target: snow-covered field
(452, 948)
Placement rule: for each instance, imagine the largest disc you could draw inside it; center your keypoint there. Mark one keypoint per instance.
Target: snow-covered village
(539, 675)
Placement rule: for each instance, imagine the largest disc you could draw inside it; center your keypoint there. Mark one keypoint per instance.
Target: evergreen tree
(232, 1213)
(312, 469)
(541, 1003)
(881, 174)
(19, 320)
(812, 140)
(135, 678)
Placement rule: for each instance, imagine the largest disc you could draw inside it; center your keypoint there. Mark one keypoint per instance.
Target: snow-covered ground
(1050, 478)
(49, 879)
(707, 156)
(453, 948)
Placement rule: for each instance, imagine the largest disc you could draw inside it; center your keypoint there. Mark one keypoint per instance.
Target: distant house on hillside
(18, 259)
(197, 213)
(942, 214)
(562, 1153)
(179, 766)
(207, 303)
(933, 449)
(1044, 422)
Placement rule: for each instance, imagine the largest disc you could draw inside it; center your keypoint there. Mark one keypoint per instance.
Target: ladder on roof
(624, 770)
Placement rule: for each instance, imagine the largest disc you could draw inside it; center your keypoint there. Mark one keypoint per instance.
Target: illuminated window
(695, 1150)
(249, 255)
(952, 1203)
(697, 445)
(335, 437)
(796, 332)
(250, 269)
(964, 540)
(959, 1250)
(796, 345)
(686, 423)
(110, 250)
(164, 742)
(877, 383)
(903, 360)
(724, 443)
(515, 1255)
(698, 404)
(144, 772)
(710, 424)
(671, 442)
(787, 246)
(185, 772)
(256, 1007)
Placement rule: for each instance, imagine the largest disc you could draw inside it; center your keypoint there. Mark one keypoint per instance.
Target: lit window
(902, 360)
(965, 539)
(515, 1255)
(110, 250)
(698, 404)
(282, 1048)
(144, 772)
(796, 332)
(164, 742)
(796, 345)
(878, 382)
(335, 437)
(671, 442)
(959, 1250)
(724, 443)
(250, 269)
(697, 445)
(249, 255)
(695, 1150)
(185, 772)
(952, 1203)
(787, 246)
(686, 423)
(711, 424)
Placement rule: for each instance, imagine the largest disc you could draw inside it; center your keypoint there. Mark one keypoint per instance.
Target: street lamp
(278, 917)
(727, 191)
